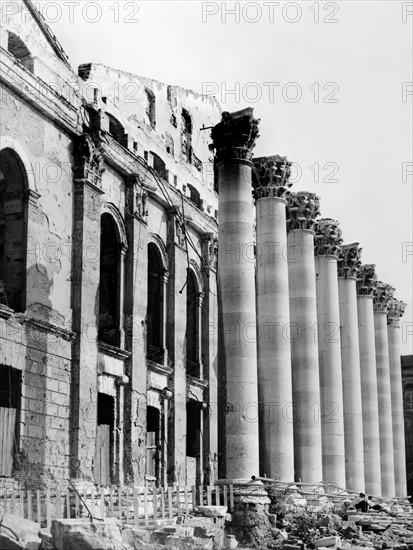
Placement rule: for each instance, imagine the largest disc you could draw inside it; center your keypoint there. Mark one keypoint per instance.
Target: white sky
(367, 134)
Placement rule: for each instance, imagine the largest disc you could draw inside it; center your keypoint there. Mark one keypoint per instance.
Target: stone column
(327, 244)
(382, 296)
(348, 268)
(85, 285)
(273, 316)
(233, 140)
(396, 311)
(371, 443)
(303, 207)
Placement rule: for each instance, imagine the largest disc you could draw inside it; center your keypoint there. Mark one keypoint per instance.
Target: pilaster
(85, 281)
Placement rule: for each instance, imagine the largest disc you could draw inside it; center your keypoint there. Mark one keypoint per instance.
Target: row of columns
(328, 380)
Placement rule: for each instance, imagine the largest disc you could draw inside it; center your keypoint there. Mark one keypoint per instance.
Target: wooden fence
(137, 506)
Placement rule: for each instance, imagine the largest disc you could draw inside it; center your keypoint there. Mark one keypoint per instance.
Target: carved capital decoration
(209, 251)
(366, 280)
(270, 177)
(383, 294)
(176, 227)
(88, 160)
(302, 209)
(234, 137)
(395, 312)
(136, 198)
(349, 260)
(327, 237)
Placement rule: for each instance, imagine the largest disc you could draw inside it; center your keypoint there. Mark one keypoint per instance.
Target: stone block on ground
(83, 534)
(17, 532)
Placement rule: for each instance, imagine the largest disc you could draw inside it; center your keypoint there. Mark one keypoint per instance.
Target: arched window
(117, 131)
(13, 231)
(150, 109)
(193, 314)
(186, 135)
(155, 305)
(19, 50)
(109, 284)
(159, 166)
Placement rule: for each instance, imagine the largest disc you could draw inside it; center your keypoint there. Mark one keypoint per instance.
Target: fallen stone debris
(265, 521)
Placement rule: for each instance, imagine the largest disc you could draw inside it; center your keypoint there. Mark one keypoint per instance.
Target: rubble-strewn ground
(286, 523)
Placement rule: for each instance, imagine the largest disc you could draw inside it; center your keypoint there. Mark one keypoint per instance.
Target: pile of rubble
(291, 524)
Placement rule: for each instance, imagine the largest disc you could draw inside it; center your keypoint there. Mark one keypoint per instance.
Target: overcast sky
(325, 78)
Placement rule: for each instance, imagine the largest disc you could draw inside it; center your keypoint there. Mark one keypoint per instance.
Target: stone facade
(109, 342)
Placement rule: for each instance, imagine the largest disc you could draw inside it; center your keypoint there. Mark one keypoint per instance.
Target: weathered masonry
(170, 310)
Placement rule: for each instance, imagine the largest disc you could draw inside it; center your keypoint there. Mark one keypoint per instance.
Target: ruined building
(111, 318)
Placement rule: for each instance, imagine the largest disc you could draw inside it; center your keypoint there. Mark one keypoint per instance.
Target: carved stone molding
(88, 160)
(383, 294)
(366, 280)
(327, 238)
(302, 209)
(270, 177)
(349, 260)
(234, 137)
(395, 312)
(136, 198)
(209, 251)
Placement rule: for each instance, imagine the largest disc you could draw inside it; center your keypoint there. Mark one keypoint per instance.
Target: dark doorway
(153, 443)
(104, 439)
(10, 404)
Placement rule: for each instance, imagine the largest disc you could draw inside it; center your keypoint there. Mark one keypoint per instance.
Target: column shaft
(304, 352)
(371, 441)
(352, 400)
(274, 349)
(236, 295)
(329, 355)
(384, 403)
(397, 411)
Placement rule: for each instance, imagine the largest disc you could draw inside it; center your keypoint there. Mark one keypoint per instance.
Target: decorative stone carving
(349, 260)
(395, 312)
(88, 160)
(209, 251)
(234, 137)
(270, 177)
(136, 201)
(327, 237)
(367, 280)
(383, 294)
(302, 209)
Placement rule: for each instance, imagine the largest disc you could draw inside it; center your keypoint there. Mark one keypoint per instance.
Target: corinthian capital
(395, 311)
(349, 260)
(302, 209)
(383, 294)
(270, 176)
(367, 280)
(327, 237)
(234, 137)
